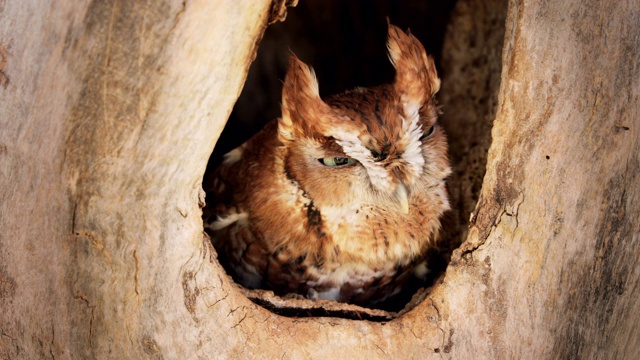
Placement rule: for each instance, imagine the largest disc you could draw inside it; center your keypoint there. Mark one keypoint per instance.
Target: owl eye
(333, 161)
(428, 133)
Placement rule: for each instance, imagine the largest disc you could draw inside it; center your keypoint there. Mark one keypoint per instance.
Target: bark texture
(471, 70)
(550, 266)
(110, 110)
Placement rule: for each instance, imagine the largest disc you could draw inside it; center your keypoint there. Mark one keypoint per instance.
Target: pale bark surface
(550, 267)
(109, 111)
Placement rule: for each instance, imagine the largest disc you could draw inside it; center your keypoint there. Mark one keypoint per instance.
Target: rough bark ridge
(471, 69)
(108, 114)
(109, 111)
(549, 269)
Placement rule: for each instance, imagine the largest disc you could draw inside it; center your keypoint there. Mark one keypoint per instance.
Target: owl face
(366, 146)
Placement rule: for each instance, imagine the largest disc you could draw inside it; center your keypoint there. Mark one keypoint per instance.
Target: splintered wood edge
(279, 10)
(302, 307)
(298, 306)
(295, 305)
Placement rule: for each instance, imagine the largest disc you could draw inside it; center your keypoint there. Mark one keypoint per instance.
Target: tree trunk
(110, 110)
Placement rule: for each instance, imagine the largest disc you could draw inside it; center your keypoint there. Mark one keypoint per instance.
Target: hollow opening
(345, 43)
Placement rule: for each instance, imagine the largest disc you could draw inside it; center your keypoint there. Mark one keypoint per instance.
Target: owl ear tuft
(302, 107)
(416, 78)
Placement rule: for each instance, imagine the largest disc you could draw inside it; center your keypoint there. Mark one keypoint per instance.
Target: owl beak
(403, 197)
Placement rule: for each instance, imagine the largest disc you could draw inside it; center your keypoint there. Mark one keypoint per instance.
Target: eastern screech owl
(338, 199)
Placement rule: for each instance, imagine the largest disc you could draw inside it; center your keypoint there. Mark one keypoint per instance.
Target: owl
(339, 198)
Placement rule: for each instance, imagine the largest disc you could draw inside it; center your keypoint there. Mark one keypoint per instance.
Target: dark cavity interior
(345, 42)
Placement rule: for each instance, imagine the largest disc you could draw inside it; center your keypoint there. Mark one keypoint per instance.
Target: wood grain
(110, 110)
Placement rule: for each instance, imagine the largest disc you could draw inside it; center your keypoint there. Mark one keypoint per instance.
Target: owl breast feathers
(339, 198)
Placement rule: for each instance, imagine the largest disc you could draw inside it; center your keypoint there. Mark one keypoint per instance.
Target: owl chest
(291, 244)
(294, 227)
(377, 236)
(349, 254)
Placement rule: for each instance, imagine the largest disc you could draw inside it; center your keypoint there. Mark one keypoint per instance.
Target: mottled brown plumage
(338, 199)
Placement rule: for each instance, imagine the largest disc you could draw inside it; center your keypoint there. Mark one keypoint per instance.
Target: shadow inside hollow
(345, 42)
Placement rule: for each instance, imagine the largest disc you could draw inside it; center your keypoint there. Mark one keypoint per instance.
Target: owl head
(378, 145)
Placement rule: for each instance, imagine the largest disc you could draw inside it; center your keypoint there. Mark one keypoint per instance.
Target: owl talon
(312, 294)
(421, 270)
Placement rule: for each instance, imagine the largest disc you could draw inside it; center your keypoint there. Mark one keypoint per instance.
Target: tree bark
(110, 110)
(471, 70)
(550, 266)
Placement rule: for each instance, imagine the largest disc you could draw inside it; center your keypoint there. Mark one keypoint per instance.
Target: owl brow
(412, 132)
(354, 148)
(430, 112)
(331, 146)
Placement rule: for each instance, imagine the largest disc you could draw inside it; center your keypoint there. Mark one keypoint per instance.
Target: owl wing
(227, 215)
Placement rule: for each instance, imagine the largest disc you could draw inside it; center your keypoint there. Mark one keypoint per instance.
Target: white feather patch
(353, 147)
(421, 270)
(411, 139)
(233, 156)
(354, 274)
(331, 294)
(222, 222)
